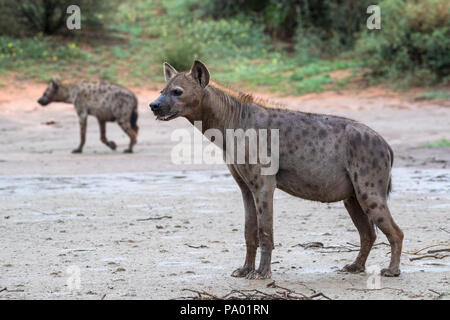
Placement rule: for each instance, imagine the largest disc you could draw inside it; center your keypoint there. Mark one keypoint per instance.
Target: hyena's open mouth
(167, 117)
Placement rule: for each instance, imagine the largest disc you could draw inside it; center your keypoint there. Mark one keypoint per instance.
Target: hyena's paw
(353, 268)
(259, 275)
(390, 272)
(242, 272)
(112, 145)
(77, 150)
(128, 150)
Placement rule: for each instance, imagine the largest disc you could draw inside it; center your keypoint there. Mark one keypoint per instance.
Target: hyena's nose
(155, 106)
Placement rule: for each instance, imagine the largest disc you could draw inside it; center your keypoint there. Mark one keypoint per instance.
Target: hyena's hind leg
(366, 233)
(131, 133)
(372, 197)
(378, 211)
(102, 125)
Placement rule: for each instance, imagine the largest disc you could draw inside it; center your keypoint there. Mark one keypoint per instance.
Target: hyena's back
(108, 102)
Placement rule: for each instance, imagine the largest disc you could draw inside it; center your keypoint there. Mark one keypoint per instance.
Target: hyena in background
(321, 157)
(107, 102)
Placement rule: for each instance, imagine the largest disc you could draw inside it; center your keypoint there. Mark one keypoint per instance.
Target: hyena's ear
(200, 73)
(56, 81)
(169, 71)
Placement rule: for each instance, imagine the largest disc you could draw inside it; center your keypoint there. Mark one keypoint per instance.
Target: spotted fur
(107, 102)
(321, 158)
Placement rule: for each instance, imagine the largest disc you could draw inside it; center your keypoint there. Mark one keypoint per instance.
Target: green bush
(320, 66)
(47, 16)
(224, 38)
(328, 27)
(211, 40)
(413, 44)
(434, 95)
(337, 21)
(180, 54)
(37, 48)
(313, 84)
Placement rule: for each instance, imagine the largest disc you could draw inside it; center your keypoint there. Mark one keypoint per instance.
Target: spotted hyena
(321, 158)
(106, 101)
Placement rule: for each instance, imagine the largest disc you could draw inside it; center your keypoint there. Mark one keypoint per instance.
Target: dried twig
(319, 294)
(49, 123)
(318, 245)
(384, 288)
(315, 293)
(196, 247)
(255, 294)
(340, 248)
(309, 245)
(233, 292)
(154, 218)
(4, 289)
(438, 250)
(338, 251)
(440, 295)
(435, 256)
(375, 245)
(352, 244)
(427, 247)
(202, 293)
(289, 291)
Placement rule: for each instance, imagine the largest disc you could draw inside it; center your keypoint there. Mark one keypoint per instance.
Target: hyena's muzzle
(162, 109)
(43, 101)
(47, 97)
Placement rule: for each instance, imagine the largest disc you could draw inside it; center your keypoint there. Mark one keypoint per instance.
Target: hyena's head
(183, 93)
(51, 93)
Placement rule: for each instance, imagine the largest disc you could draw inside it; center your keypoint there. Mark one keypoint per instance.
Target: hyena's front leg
(102, 125)
(83, 124)
(263, 195)
(251, 228)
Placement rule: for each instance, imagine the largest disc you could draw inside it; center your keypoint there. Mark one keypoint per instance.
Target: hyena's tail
(134, 117)
(390, 178)
(133, 120)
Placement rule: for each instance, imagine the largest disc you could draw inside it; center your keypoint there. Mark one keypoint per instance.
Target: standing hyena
(321, 157)
(106, 101)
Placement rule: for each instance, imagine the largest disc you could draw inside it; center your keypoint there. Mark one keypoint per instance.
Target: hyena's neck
(67, 93)
(221, 110)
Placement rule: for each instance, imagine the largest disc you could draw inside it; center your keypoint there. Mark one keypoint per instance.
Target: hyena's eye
(177, 92)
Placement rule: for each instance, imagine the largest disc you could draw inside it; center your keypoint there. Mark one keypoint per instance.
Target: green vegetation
(413, 45)
(435, 95)
(438, 144)
(27, 17)
(293, 47)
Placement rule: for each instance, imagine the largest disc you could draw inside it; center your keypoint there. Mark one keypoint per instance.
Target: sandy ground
(84, 219)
